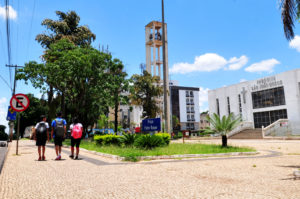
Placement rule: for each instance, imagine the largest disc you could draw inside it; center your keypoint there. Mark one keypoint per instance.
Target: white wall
(290, 81)
(182, 106)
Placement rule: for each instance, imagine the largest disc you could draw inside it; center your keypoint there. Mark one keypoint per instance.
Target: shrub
(149, 141)
(107, 139)
(165, 136)
(179, 135)
(128, 139)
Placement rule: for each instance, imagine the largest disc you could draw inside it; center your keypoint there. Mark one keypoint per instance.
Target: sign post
(19, 102)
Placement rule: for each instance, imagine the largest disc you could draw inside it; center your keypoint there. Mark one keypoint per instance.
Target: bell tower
(154, 59)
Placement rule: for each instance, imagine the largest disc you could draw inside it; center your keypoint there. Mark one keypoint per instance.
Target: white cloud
(295, 43)
(243, 80)
(12, 13)
(3, 112)
(203, 99)
(209, 62)
(237, 63)
(263, 66)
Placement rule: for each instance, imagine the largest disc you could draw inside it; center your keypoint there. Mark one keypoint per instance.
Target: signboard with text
(19, 102)
(151, 125)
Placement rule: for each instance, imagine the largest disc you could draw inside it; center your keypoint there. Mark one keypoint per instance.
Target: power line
(8, 37)
(6, 83)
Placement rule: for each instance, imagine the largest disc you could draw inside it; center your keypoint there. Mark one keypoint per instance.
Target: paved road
(3, 151)
(97, 177)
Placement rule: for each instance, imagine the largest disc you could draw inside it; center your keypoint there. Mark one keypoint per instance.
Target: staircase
(248, 134)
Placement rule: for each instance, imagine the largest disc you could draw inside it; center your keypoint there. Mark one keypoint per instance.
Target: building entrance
(268, 117)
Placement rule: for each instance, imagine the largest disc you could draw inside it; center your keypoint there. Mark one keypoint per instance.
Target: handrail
(242, 126)
(276, 128)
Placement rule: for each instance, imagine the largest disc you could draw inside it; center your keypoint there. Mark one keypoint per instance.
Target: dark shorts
(41, 141)
(75, 142)
(58, 141)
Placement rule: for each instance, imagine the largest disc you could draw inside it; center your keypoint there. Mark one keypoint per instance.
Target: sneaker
(43, 158)
(76, 158)
(58, 157)
(40, 158)
(71, 156)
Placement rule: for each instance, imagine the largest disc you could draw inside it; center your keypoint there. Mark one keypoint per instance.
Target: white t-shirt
(46, 123)
(71, 126)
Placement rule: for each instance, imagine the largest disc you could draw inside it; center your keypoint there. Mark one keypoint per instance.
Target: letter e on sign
(19, 102)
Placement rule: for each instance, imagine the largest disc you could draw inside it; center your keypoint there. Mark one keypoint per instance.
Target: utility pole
(165, 74)
(12, 123)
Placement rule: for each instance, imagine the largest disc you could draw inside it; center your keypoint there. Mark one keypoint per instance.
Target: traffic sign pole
(18, 133)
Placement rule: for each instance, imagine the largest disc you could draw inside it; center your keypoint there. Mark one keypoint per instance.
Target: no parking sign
(19, 102)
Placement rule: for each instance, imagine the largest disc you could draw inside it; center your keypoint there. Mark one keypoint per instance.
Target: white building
(261, 101)
(185, 106)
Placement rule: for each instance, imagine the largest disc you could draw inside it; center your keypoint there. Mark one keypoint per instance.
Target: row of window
(268, 117)
(260, 99)
(189, 93)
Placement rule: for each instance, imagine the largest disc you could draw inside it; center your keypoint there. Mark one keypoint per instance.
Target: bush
(108, 139)
(165, 136)
(149, 141)
(128, 139)
(179, 135)
(3, 136)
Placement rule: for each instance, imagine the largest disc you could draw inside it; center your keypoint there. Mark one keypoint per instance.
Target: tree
(66, 27)
(145, 91)
(224, 125)
(175, 122)
(32, 114)
(118, 87)
(3, 135)
(290, 9)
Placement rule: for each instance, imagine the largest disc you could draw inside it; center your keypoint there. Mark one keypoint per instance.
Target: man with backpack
(41, 135)
(76, 134)
(58, 132)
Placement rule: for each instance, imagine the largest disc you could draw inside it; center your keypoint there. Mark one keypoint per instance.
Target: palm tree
(224, 125)
(289, 11)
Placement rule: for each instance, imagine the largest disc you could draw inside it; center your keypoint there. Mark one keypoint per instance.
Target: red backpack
(77, 131)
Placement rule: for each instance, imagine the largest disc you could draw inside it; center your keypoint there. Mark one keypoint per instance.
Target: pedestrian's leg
(59, 148)
(72, 151)
(43, 157)
(56, 149)
(39, 151)
(77, 151)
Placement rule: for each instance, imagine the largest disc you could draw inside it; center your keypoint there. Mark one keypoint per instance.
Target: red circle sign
(19, 102)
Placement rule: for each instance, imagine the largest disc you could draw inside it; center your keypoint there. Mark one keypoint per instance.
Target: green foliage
(128, 139)
(224, 125)
(179, 135)
(175, 122)
(165, 136)
(144, 92)
(108, 139)
(102, 121)
(3, 135)
(149, 141)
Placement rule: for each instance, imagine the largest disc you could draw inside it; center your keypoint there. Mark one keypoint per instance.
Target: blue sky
(211, 43)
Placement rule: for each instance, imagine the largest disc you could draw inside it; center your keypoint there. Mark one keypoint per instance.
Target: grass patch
(132, 154)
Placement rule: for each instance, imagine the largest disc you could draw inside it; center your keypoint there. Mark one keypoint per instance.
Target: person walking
(41, 135)
(58, 132)
(76, 134)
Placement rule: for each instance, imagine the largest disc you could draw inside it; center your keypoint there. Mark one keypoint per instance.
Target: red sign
(19, 102)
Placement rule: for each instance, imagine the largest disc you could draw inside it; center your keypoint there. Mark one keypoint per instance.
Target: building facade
(185, 106)
(261, 101)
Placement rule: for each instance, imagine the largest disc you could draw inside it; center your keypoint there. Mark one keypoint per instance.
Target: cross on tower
(244, 94)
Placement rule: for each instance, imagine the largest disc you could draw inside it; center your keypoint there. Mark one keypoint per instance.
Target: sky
(210, 43)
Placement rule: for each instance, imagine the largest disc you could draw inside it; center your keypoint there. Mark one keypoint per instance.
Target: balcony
(192, 111)
(188, 111)
(188, 103)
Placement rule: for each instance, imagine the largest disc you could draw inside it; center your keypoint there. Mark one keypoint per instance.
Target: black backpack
(59, 128)
(41, 129)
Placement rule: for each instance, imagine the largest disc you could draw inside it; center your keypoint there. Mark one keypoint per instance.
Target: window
(268, 98)
(193, 117)
(218, 106)
(228, 105)
(192, 109)
(191, 94)
(188, 109)
(187, 93)
(268, 117)
(192, 101)
(240, 106)
(188, 117)
(187, 101)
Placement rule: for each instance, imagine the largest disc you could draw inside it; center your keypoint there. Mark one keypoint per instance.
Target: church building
(262, 101)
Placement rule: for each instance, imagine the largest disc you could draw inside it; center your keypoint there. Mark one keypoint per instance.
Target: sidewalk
(97, 177)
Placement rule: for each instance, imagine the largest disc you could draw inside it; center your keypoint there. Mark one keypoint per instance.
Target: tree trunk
(116, 115)
(51, 105)
(224, 140)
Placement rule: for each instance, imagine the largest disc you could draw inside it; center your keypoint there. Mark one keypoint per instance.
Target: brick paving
(98, 177)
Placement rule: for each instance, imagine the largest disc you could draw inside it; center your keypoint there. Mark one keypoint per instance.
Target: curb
(161, 157)
(4, 158)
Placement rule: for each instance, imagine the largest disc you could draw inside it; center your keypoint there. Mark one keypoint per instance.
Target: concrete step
(248, 134)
